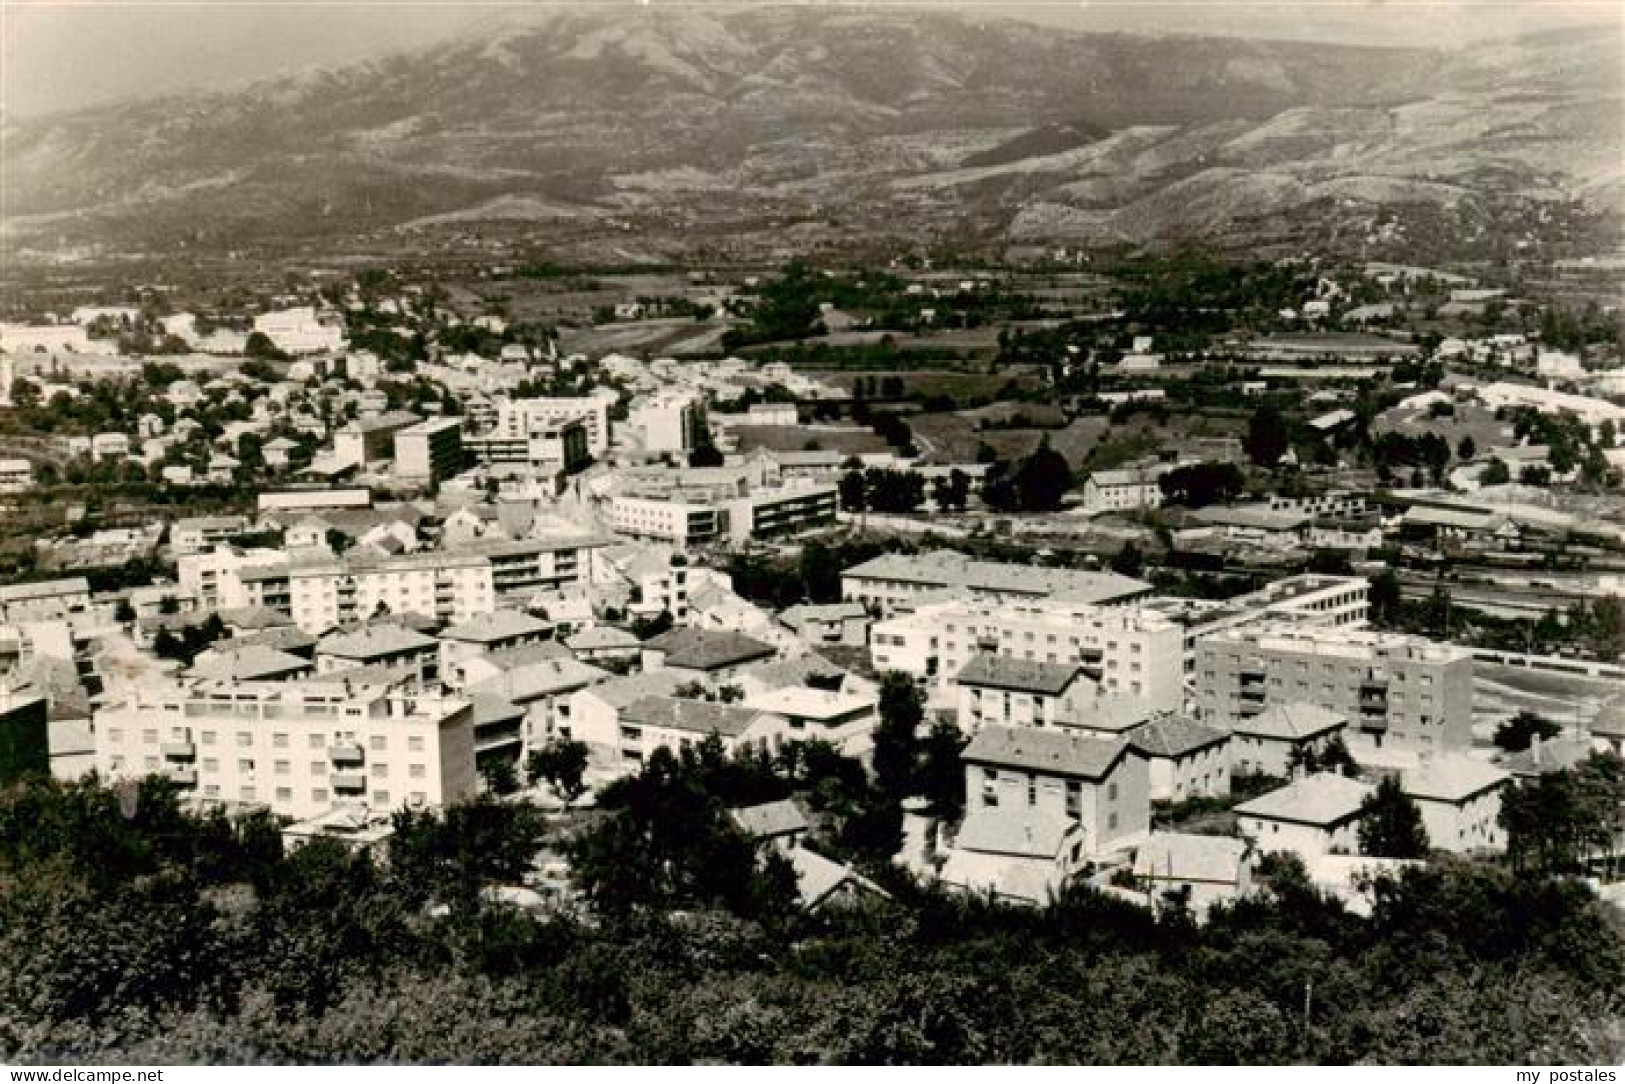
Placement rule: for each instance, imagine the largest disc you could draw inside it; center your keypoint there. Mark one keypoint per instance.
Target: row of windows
(379, 743)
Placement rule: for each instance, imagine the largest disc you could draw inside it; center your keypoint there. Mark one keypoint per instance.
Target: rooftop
(1322, 800)
(947, 568)
(771, 819)
(707, 649)
(1053, 752)
(1183, 856)
(1452, 778)
(251, 663)
(694, 716)
(496, 627)
(1018, 675)
(375, 641)
(801, 702)
(1027, 833)
(538, 679)
(1174, 736)
(1291, 722)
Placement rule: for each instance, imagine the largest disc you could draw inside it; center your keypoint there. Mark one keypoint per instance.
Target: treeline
(131, 932)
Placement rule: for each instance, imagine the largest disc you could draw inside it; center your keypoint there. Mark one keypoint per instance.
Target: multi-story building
(1126, 490)
(525, 566)
(1103, 786)
(897, 581)
(1392, 688)
(671, 519)
(366, 441)
(298, 747)
(1014, 692)
(195, 534)
(321, 594)
(46, 600)
(670, 420)
(1127, 649)
(430, 451)
(518, 418)
(558, 447)
(1306, 600)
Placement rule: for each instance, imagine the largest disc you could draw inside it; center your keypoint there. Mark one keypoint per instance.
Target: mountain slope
(705, 123)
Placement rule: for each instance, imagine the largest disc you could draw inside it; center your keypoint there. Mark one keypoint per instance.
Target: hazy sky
(62, 54)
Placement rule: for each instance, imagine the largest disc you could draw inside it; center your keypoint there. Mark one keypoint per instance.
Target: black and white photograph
(653, 533)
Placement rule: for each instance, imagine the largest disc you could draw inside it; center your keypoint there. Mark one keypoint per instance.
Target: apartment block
(520, 418)
(670, 420)
(1392, 688)
(298, 748)
(320, 595)
(430, 451)
(897, 582)
(1128, 649)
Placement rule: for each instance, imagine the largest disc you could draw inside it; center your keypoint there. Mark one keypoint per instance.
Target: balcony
(179, 750)
(183, 776)
(346, 754)
(348, 781)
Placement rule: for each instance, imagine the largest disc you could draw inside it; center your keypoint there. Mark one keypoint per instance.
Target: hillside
(692, 127)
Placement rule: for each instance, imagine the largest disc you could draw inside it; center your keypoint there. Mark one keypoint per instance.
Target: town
(1136, 594)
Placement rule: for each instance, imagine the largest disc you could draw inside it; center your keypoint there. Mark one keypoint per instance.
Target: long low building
(898, 581)
(297, 747)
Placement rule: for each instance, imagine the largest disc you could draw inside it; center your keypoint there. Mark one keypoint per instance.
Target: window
(378, 743)
(318, 741)
(318, 795)
(245, 765)
(380, 797)
(283, 767)
(1111, 792)
(414, 743)
(248, 794)
(115, 733)
(149, 736)
(318, 767)
(210, 764)
(208, 737)
(284, 794)
(417, 771)
(380, 771)
(245, 740)
(279, 741)
(1074, 799)
(1032, 790)
(1111, 822)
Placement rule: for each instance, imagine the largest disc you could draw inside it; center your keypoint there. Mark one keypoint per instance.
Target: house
(251, 663)
(1007, 691)
(484, 633)
(600, 642)
(1318, 814)
(677, 723)
(1187, 759)
(378, 645)
(1022, 857)
(499, 731)
(542, 690)
(1547, 755)
(1460, 800)
(1275, 740)
(822, 883)
(845, 720)
(842, 623)
(704, 654)
(779, 826)
(1102, 786)
(1127, 490)
(595, 711)
(1210, 868)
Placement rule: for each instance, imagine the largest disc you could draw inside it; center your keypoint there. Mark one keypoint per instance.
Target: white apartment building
(215, 577)
(670, 420)
(321, 595)
(521, 418)
(298, 747)
(1126, 649)
(895, 582)
(684, 521)
(430, 450)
